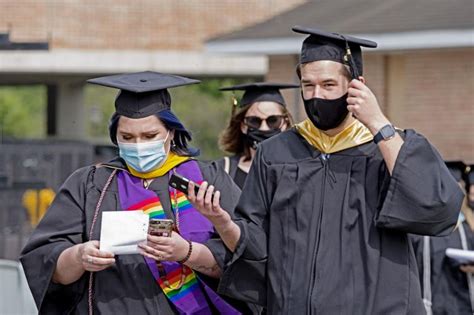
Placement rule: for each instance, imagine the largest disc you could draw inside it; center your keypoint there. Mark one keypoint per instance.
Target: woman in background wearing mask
(67, 272)
(262, 114)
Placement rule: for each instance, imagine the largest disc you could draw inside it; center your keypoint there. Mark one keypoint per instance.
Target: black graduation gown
(237, 174)
(128, 287)
(449, 288)
(329, 235)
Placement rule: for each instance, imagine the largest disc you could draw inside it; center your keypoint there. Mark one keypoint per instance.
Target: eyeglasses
(273, 121)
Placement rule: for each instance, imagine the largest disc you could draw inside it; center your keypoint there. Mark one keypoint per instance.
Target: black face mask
(326, 114)
(255, 136)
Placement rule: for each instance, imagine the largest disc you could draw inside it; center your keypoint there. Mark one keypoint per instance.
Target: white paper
(460, 255)
(122, 231)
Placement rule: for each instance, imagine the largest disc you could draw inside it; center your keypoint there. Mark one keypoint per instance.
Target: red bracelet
(185, 259)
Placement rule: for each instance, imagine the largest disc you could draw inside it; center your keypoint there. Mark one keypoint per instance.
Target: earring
(173, 144)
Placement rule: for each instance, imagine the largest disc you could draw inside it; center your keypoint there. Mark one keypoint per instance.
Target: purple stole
(193, 296)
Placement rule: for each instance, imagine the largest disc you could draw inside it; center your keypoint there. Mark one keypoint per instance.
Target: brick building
(131, 25)
(422, 71)
(79, 39)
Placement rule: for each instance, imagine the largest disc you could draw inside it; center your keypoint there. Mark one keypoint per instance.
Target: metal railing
(30, 167)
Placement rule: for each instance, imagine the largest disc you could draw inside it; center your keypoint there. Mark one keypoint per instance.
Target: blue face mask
(143, 157)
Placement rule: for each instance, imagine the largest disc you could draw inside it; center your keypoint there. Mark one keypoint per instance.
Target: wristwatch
(386, 133)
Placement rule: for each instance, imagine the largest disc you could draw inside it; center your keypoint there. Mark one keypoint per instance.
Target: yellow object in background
(37, 208)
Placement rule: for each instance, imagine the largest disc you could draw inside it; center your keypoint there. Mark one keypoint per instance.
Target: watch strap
(380, 135)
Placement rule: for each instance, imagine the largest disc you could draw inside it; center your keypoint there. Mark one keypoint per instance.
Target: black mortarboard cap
(457, 169)
(321, 45)
(261, 92)
(142, 93)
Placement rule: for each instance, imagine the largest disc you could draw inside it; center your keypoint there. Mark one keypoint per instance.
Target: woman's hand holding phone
(207, 202)
(165, 248)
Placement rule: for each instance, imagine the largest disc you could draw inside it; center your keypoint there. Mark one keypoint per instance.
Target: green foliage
(203, 109)
(99, 103)
(23, 111)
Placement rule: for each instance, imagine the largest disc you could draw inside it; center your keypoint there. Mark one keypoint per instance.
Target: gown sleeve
(422, 196)
(61, 228)
(244, 275)
(214, 173)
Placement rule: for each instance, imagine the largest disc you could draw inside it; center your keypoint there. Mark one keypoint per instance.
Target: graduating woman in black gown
(261, 114)
(66, 271)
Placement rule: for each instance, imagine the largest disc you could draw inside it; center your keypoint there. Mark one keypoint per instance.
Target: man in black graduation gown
(323, 218)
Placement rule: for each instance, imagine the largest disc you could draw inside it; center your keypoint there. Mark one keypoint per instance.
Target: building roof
(6, 44)
(31, 66)
(449, 21)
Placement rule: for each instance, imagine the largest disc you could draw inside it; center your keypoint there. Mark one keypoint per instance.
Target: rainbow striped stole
(173, 270)
(193, 296)
(152, 206)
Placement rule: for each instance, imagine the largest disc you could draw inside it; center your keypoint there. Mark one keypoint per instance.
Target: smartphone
(181, 183)
(160, 227)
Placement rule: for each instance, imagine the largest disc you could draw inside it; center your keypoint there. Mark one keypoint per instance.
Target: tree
(23, 111)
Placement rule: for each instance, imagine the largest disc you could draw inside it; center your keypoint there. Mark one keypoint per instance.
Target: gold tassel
(234, 104)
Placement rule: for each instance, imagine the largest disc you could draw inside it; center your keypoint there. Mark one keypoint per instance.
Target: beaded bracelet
(185, 259)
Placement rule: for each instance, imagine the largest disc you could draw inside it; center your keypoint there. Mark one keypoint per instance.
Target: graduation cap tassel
(349, 60)
(234, 104)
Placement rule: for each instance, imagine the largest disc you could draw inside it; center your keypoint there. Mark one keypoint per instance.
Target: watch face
(387, 131)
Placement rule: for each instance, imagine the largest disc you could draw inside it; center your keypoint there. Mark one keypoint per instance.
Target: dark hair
(346, 72)
(232, 139)
(181, 135)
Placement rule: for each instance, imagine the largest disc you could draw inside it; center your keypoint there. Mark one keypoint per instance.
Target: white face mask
(144, 157)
